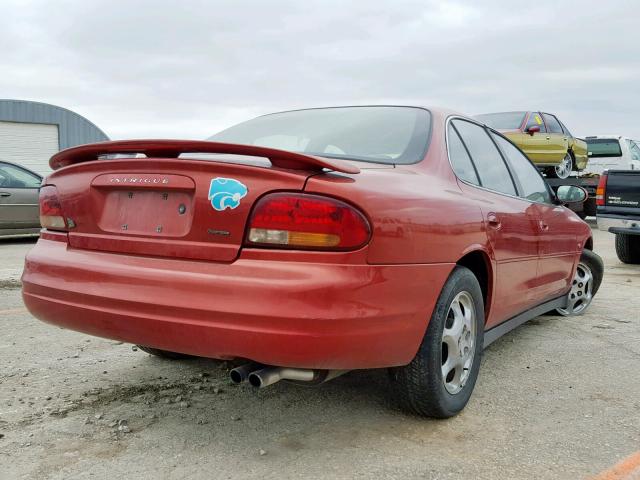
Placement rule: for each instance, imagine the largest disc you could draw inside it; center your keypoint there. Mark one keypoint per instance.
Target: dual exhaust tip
(260, 376)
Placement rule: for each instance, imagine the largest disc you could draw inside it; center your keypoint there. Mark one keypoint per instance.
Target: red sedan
(313, 242)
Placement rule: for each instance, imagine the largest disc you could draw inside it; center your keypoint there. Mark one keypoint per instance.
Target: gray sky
(188, 69)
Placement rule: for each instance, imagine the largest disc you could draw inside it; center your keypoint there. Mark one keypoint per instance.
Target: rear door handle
(543, 226)
(548, 138)
(5, 194)
(493, 220)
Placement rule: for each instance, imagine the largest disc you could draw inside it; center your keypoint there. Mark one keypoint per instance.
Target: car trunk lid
(171, 207)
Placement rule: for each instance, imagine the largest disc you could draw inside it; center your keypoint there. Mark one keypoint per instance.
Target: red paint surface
(193, 291)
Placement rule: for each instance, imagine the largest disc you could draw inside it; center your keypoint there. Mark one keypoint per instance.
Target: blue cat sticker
(226, 193)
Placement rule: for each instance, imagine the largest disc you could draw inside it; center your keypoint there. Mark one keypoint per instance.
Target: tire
(590, 207)
(164, 353)
(421, 387)
(628, 248)
(585, 284)
(563, 169)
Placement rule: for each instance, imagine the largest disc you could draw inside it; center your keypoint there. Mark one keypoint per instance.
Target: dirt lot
(557, 398)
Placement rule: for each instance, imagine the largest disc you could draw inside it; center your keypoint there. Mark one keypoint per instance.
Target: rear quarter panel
(418, 212)
(414, 218)
(579, 149)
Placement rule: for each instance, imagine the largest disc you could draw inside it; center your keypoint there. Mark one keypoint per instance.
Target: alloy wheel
(580, 295)
(458, 342)
(563, 169)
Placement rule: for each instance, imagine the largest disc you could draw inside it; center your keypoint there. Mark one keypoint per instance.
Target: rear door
(537, 145)
(18, 198)
(558, 140)
(511, 222)
(556, 227)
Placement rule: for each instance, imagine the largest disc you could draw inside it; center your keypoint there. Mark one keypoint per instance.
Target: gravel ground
(557, 398)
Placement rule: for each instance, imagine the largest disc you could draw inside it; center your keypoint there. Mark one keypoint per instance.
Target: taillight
(51, 215)
(305, 221)
(600, 191)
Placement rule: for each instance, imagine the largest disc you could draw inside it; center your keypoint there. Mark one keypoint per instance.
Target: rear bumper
(297, 314)
(619, 224)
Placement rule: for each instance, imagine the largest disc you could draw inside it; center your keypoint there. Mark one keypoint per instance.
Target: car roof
(433, 109)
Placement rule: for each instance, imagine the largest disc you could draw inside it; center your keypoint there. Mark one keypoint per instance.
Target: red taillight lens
(600, 191)
(51, 215)
(301, 221)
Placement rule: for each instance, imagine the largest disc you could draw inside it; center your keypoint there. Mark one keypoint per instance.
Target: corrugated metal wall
(29, 144)
(73, 129)
(31, 132)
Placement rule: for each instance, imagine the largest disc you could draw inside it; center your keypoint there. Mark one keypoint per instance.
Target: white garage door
(28, 144)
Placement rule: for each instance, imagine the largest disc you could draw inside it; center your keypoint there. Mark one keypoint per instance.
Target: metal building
(31, 132)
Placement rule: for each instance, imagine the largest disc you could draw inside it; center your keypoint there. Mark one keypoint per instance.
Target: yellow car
(544, 138)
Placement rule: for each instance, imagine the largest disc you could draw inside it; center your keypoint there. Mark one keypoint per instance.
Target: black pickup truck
(618, 211)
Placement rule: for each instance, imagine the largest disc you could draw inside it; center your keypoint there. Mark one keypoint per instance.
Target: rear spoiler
(173, 148)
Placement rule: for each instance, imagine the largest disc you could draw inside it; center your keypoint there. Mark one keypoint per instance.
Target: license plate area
(153, 213)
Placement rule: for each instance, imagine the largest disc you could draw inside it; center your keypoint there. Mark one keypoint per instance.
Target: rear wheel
(585, 284)
(563, 169)
(440, 379)
(628, 248)
(164, 353)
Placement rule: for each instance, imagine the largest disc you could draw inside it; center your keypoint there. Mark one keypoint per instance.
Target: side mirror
(533, 129)
(567, 194)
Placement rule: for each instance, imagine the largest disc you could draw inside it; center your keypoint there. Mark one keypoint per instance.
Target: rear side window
(534, 188)
(460, 160)
(490, 165)
(552, 123)
(634, 149)
(565, 129)
(535, 120)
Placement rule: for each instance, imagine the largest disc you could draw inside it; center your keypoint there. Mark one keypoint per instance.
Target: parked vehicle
(608, 152)
(19, 209)
(365, 237)
(619, 211)
(605, 152)
(543, 138)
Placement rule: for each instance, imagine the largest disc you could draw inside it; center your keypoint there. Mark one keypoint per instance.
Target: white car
(609, 152)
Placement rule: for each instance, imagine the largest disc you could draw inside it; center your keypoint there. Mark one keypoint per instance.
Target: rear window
(603, 147)
(394, 135)
(502, 121)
